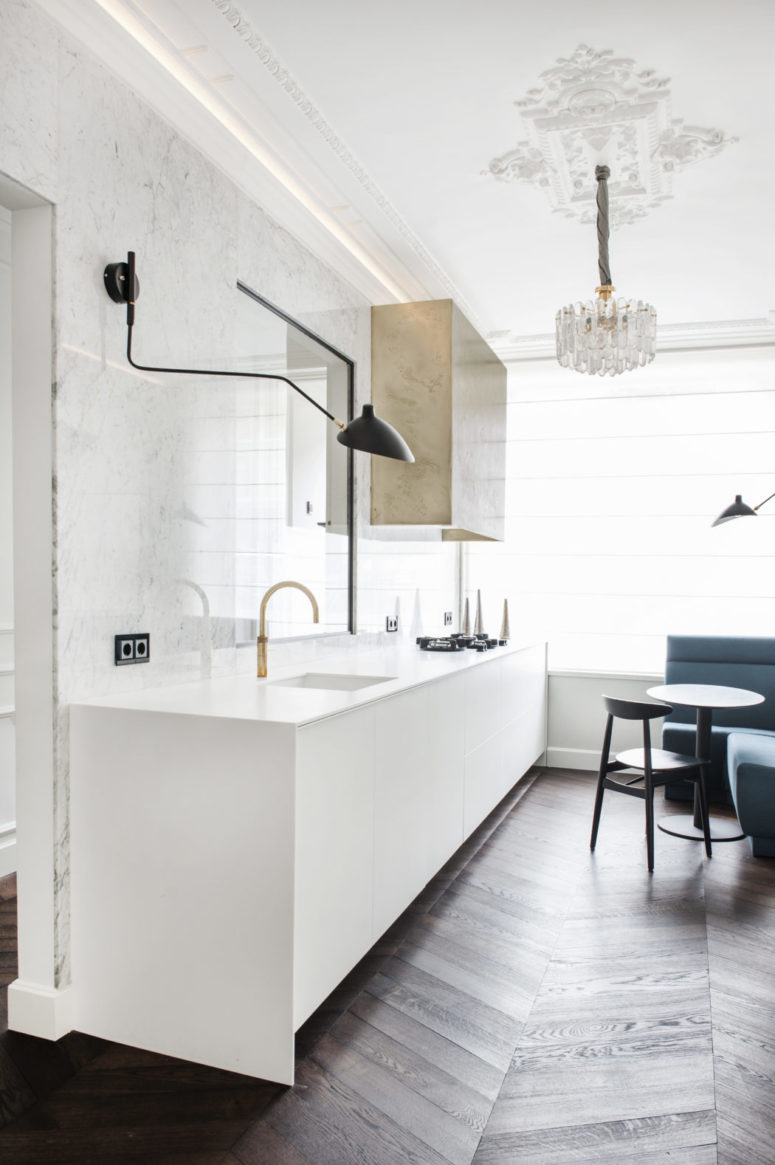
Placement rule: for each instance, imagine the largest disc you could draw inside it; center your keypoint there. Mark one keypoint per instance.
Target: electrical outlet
(131, 648)
(391, 623)
(447, 618)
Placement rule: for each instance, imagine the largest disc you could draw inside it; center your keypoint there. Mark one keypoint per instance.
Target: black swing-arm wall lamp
(738, 509)
(367, 433)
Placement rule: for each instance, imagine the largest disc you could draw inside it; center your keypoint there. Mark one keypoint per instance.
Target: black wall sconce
(367, 432)
(739, 509)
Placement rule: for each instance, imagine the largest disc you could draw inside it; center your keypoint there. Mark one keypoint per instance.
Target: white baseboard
(40, 1011)
(7, 854)
(573, 758)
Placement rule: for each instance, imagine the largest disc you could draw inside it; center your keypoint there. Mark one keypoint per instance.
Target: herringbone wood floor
(535, 1004)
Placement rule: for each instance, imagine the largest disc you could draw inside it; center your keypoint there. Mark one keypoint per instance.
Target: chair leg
(650, 831)
(650, 822)
(601, 781)
(598, 809)
(649, 794)
(704, 810)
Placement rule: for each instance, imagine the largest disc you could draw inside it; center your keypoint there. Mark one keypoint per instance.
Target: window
(612, 488)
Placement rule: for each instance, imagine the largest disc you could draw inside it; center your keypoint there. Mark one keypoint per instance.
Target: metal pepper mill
(505, 632)
(479, 632)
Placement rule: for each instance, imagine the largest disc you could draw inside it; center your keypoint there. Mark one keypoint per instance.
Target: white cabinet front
(334, 854)
(418, 805)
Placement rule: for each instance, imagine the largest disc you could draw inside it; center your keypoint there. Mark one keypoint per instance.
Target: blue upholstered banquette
(743, 739)
(736, 662)
(751, 762)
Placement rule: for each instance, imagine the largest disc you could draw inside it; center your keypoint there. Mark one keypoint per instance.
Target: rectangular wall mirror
(306, 528)
(292, 499)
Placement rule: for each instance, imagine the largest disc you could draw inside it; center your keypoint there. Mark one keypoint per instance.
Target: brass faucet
(263, 639)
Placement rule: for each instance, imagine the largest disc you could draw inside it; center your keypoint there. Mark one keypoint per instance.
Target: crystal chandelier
(605, 335)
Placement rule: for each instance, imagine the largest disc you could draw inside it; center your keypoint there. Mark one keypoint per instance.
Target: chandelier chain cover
(602, 173)
(605, 336)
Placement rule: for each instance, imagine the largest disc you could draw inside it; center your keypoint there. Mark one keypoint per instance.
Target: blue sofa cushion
(680, 738)
(751, 761)
(732, 661)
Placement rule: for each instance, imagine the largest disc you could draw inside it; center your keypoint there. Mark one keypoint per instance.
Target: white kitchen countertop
(246, 697)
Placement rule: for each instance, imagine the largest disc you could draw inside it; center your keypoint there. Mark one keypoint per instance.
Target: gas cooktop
(458, 642)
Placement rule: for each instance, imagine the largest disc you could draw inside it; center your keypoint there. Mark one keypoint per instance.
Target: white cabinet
(505, 729)
(182, 886)
(418, 796)
(333, 854)
(227, 873)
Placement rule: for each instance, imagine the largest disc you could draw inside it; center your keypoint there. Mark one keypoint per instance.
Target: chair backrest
(635, 709)
(732, 661)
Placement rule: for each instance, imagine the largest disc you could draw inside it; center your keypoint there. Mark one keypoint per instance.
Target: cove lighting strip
(168, 61)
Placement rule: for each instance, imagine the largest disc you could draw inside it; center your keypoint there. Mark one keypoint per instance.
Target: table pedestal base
(682, 825)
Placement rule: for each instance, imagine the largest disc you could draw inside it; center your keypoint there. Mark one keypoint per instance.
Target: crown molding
(670, 338)
(248, 125)
(443, 285)
(114, 34)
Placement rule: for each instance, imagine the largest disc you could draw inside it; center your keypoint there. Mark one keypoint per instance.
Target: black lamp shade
(371, 435)
(738, 509)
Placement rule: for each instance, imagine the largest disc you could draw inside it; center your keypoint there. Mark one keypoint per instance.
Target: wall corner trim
(40, 1011)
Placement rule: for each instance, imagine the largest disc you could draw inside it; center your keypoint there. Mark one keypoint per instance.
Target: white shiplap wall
(612, 488)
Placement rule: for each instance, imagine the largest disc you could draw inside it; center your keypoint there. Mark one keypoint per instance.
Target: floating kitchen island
(239, 844)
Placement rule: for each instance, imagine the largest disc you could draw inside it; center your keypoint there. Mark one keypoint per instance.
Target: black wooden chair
(657, 768)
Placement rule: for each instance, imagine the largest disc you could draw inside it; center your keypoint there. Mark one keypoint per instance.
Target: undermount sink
(333, 681)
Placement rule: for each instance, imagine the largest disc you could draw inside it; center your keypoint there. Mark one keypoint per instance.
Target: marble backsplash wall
(121, 178)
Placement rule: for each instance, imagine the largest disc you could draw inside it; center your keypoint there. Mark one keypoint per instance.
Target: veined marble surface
(127, 459)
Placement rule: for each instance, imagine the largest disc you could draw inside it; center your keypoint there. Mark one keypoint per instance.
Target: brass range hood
(435, 379)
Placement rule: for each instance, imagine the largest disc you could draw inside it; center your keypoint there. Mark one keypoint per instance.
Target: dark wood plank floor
(536, 1004)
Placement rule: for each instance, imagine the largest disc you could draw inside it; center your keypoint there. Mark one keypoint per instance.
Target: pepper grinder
(466, 629)
(505, 631)
(479, 632)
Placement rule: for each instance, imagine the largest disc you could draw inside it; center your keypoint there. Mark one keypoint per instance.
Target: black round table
(703, 697)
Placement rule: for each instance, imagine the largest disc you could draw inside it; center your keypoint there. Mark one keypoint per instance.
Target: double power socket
(131, 648)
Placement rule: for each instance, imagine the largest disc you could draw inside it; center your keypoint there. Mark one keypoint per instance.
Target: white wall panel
(577, 717)
(638, 455)
(651, 416)
(561, 575)
(727, 370)
(702, 496)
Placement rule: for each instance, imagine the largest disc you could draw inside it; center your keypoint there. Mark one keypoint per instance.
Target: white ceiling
(370, 130)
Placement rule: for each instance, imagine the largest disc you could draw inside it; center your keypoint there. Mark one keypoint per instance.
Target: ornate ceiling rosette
(594, 107)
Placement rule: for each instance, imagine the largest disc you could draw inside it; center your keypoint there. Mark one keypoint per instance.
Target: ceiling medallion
(593, 107)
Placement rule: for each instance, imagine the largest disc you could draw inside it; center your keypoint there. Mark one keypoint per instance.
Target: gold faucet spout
(262, 641)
